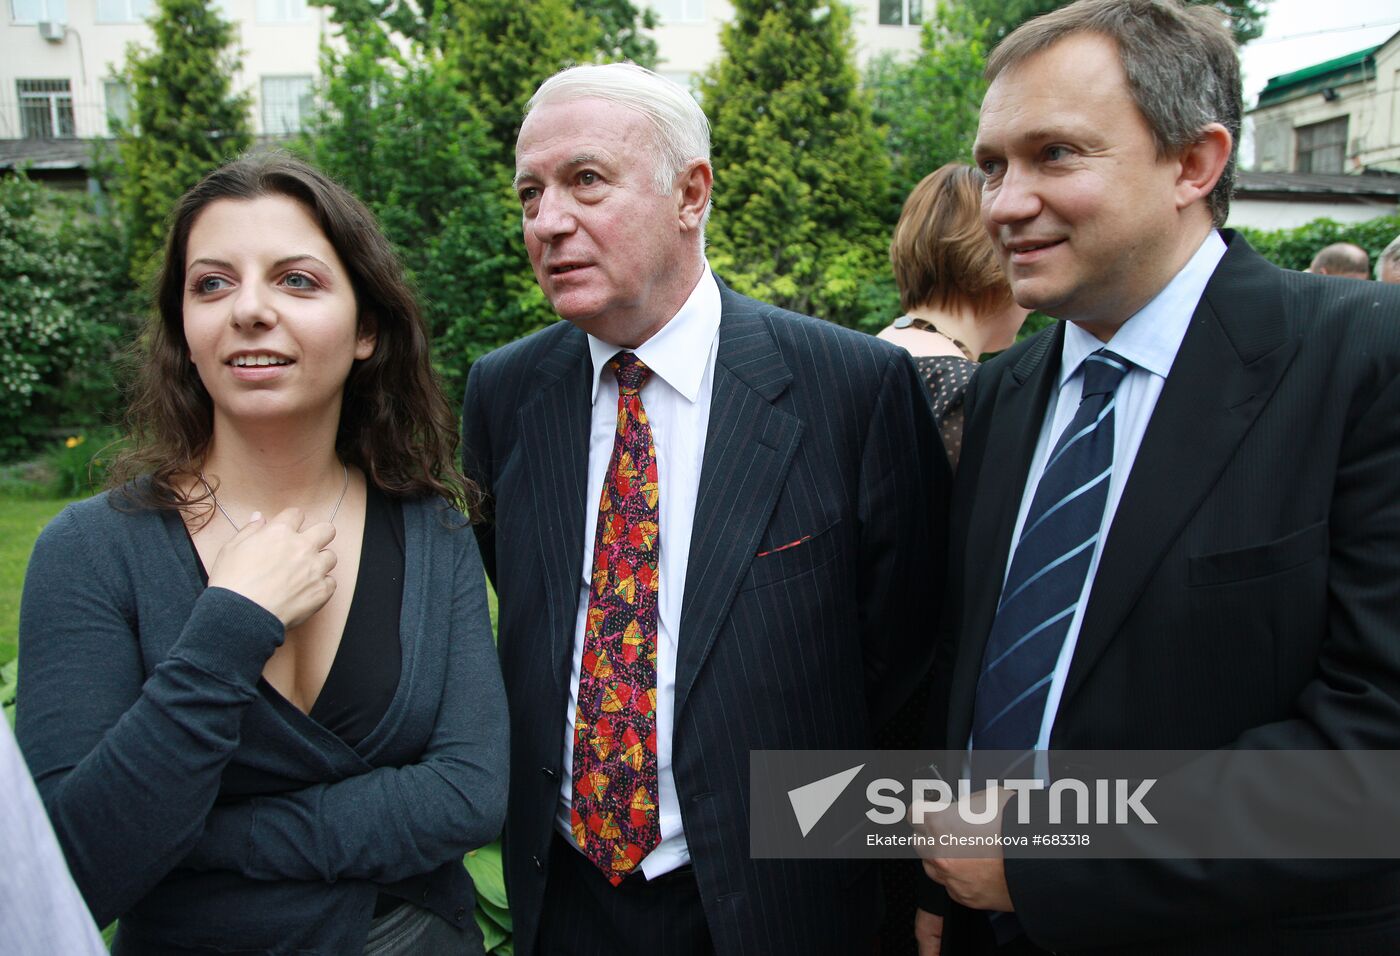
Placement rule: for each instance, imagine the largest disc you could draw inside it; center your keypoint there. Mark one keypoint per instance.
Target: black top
(946, 377)
(365, 673)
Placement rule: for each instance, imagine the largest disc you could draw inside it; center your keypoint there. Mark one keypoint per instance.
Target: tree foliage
(620, 22)
(502, 50)
(800, 171)
(395, 132)
(621, 25)
(185, 119)
(1246, 16)
(67, 307)
(928, 105)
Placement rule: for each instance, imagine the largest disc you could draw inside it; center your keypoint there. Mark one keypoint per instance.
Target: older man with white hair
(715, 528)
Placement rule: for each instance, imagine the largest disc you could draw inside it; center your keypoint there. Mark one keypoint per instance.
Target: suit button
(538, 865)
(548, 772)
(461, 911)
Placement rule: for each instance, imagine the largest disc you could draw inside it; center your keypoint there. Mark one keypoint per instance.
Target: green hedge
(1295, 248)
(66, 308)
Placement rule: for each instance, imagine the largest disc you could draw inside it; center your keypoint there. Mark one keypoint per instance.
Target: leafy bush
(66, 309)
(79, 463)
(492, 911)
(1295, 248)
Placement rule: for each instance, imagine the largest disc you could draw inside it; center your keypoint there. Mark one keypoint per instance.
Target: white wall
(688, 46)
(90, 51)
(1277, 214)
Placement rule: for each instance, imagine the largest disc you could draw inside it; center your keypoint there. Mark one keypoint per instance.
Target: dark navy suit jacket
(1248, 597)
(816, 433)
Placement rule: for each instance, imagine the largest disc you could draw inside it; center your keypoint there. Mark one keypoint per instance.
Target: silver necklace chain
(218, 504)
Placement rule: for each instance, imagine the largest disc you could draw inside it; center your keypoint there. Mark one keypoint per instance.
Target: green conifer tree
(503, 50)
(186, 119)
(800, 170)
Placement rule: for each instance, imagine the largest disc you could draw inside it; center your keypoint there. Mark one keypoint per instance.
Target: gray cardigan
(198, 805)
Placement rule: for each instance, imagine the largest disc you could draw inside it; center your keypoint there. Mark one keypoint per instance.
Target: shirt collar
(671, 353)
(1151, 338)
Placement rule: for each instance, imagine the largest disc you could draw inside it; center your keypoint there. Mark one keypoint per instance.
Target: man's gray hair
(1182, 66)
(681, 131)
(1390, 254)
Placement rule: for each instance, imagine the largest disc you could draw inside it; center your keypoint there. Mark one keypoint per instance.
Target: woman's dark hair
(395, 423)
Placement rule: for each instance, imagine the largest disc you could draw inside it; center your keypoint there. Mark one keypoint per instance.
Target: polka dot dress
(946, 377)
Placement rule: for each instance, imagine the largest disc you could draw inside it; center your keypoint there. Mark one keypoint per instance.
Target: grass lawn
(21, 520)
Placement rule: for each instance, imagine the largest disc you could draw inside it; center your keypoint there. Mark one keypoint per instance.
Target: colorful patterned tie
(614, 811)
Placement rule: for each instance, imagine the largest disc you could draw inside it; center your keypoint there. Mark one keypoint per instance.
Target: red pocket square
(791, 544)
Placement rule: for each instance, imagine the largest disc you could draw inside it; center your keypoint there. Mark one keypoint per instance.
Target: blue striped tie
(1046, 579)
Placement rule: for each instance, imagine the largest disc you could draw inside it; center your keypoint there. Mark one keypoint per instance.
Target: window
(286, 104)
(45, 109)
(679, 11)
(900, 13)
(123, 11)
(118, 98)
(282, 11)
(1321, 147)
(36, 11)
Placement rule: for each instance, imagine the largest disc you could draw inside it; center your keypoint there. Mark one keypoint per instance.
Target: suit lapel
(553, 429)
(749, 445)
(1019, 409)
(1231, 360)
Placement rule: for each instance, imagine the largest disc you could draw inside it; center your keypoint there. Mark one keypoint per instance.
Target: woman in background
(956, 301)
(260, 696)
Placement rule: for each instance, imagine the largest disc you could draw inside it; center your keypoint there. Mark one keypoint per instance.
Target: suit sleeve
(929, 896)
(128, 764)
(1352, 703)
(392, 822)
(477, 464)
(903, 502)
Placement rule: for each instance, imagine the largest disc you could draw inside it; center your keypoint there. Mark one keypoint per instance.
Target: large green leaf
(488, 875)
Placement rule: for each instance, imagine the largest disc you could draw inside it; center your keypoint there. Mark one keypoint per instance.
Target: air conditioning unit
(52, 30)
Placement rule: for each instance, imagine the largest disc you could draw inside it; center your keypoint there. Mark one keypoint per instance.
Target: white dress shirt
(681, 357)
(1149, 340)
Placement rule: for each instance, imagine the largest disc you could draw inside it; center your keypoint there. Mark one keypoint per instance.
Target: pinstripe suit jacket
(1248, 598)
(815, 432)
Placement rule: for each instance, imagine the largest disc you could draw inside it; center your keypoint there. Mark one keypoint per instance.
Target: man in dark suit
(714, 527)
(1177, 513)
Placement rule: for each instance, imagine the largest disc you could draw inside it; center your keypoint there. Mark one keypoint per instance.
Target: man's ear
(1202, 164)
(693, 185)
